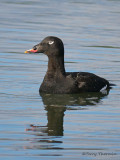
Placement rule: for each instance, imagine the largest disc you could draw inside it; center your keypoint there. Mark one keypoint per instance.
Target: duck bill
(31, 51)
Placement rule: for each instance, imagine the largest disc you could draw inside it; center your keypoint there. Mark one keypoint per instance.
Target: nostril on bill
(34, 48)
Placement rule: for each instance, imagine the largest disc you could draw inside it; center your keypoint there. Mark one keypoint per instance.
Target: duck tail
(111, 85)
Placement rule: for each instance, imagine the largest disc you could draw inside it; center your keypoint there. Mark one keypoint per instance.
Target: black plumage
(57, 80)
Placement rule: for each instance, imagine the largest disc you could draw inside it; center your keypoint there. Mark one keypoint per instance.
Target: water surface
(34, 126)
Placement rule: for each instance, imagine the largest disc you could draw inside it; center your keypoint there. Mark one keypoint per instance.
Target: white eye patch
(50, 42)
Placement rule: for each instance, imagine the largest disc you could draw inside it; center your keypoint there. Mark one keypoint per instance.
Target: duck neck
(56, 65)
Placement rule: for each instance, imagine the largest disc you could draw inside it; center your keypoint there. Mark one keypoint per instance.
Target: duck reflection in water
(57, 104)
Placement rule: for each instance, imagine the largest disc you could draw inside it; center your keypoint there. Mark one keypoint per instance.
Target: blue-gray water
(33, 126)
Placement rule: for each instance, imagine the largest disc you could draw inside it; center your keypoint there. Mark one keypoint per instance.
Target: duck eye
(50, 42)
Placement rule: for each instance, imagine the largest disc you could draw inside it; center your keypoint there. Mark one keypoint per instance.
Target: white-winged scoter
(56, 79)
